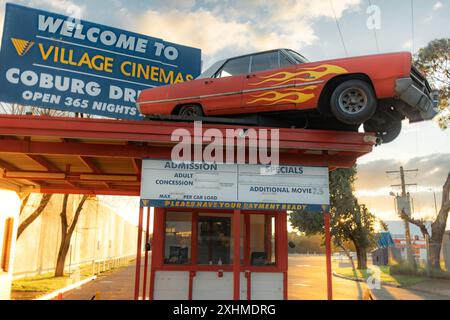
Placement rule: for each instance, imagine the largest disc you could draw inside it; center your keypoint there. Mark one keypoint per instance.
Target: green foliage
(421, 271)
(350, 221)
(306, 244)
(434, 61)
(403, 268)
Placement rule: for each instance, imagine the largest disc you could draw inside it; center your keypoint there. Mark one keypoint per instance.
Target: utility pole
(405, 198)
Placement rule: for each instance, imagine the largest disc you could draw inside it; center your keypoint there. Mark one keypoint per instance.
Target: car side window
(284, 61)
(234, 67)
(265, 61)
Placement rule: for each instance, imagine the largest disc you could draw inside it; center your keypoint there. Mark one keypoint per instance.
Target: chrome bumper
(415, 97)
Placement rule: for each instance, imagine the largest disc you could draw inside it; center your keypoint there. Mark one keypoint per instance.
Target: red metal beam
(133, 151)
(138, 255)
(75, 176)
(236, 254)
(89, 163)
(137, 164)
(326, 217)
(144, 286)
(43, 162)
(8, 166)
(161, 132)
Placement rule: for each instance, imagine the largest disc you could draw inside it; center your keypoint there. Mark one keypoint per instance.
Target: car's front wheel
(353, 102)
(386, 130)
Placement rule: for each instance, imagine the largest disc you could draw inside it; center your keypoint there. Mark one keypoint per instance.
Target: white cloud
(437, 5)
(66, 7)
(247, 26)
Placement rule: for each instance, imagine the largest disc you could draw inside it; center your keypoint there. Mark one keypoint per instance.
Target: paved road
(306, 281)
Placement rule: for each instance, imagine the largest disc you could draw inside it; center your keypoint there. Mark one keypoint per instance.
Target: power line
(339, 28)
(375, 33)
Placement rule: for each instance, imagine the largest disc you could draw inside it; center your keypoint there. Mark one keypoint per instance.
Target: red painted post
(144, 286)
(236, 253)
(326, 218)
(157, 247)
(138, 255)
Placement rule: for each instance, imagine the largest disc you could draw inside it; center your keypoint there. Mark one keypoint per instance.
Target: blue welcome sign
(53, 61)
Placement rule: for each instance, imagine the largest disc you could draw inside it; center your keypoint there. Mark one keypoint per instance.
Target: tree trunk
(37, 212)
(361, 256)
(24, 203)
(66, 233)
(435, 251)
(61, 259)
(438, 226)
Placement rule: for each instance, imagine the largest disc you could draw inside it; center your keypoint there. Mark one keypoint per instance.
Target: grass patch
(405, 269)
(386, 275)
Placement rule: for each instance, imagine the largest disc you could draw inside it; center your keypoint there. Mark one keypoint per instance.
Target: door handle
(208, 81)
(250, 76)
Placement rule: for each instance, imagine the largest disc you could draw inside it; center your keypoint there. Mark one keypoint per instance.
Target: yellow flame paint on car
(312, 74)
(288, 95)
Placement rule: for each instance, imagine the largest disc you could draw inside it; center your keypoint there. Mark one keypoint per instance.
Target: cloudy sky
(231, 27)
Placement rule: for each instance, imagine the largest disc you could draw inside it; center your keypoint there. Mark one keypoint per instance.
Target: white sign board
(233, 186)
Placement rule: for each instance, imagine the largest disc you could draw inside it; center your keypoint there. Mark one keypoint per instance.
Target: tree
(45, 199)
(66, 233)
(437, 226)
(15, 108)
(350, 221)
(434, 61)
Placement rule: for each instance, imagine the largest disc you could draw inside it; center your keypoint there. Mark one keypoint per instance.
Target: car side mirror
(148, 246)
(291, 245)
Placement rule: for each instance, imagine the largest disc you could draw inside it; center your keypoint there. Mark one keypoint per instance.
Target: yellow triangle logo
(145, 202)
(22, 46)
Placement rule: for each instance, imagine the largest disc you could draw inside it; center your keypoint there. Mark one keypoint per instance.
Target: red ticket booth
(219, 254)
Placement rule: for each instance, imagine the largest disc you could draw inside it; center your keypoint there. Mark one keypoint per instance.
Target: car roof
(212, 69)
(253, 53)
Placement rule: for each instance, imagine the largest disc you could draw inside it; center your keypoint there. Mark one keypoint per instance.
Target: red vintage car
(282, 88)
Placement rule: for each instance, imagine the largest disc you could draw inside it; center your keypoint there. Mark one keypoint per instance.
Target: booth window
(214, 239)
(6, 248)
(262, 240)
(177, 242)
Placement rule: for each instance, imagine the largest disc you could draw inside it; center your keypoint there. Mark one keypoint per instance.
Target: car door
(268, 86)
(222, 93)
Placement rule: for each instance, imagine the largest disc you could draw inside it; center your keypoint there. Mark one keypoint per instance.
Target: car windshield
(208, 73)
(297, 56)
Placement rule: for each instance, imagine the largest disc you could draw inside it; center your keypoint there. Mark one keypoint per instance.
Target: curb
(387, 284)
(337, 275)
(72, 286)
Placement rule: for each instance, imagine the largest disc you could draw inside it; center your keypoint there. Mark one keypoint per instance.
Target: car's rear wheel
(353, 102)
(386, 130)
(191, 111)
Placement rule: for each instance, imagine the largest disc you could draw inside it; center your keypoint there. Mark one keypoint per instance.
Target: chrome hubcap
(352, 100)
